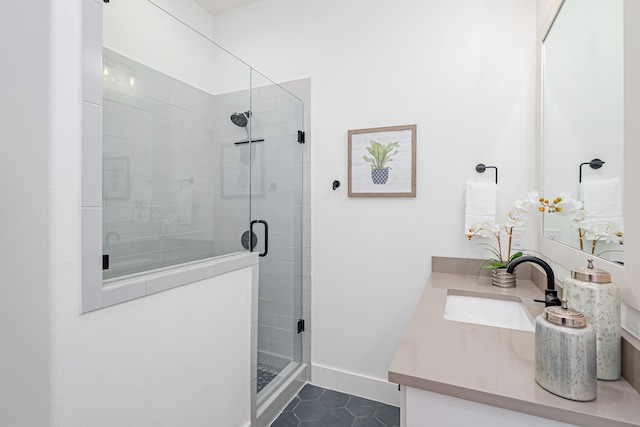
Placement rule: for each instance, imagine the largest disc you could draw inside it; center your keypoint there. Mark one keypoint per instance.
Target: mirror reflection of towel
(602, 199)
(185, 206)
(480, 204)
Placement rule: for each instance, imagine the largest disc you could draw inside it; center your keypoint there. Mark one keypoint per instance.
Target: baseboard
(355, 384)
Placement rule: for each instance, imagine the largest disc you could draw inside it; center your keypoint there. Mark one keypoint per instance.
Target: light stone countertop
(494, 366)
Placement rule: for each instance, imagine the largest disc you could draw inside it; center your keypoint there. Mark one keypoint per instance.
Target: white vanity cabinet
(425, 408)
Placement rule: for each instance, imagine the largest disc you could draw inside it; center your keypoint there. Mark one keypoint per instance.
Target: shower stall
(202, 158)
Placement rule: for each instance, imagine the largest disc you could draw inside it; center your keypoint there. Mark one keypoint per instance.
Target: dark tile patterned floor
(266, 373)
(320, 407)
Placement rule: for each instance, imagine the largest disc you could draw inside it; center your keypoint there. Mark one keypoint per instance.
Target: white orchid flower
(483, 229)
(565, 205)
(523, 207)
(514, 219)
(615, 233)
(613, 238)
(596, 232)
(482, 232)
(533, 197)
(534, 204)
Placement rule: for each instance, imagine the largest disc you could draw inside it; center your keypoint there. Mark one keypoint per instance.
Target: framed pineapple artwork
(382, 162)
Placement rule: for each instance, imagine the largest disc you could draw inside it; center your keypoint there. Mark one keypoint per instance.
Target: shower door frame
(275, 186)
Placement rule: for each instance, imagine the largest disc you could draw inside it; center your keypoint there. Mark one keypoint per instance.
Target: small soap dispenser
(590, 290)
(565, 354)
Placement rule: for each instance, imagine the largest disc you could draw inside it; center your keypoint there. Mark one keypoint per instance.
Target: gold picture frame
(382, 162)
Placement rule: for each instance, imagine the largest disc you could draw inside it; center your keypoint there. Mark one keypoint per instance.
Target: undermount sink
(484, 309)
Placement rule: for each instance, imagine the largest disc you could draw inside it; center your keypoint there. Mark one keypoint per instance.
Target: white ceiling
(216, 7)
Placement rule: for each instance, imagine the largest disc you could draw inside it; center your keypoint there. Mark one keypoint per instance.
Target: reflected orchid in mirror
(607, 232)
(588, 228)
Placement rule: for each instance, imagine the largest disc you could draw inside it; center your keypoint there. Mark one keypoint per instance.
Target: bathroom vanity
(455, 372)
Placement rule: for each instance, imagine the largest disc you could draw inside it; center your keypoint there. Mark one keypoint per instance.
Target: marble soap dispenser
(590, 290)
(565, 355)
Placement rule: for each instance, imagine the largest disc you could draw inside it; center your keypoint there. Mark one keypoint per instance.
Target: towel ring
(481, 167)
(593, 164)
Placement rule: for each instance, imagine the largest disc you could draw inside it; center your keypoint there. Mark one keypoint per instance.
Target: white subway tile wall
(176, 188)
(162, 172)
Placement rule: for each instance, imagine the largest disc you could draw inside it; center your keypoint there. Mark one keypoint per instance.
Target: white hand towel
(185, 207)
(480, 204)
(602, 199)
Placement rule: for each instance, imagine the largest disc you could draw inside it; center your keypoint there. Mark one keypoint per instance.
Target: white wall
(463, 71)
(145, 33)
(24, 310)
(181, 357)
(189, 12)
(148, 34)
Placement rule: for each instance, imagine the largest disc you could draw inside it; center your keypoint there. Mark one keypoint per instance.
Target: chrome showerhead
(241, 119)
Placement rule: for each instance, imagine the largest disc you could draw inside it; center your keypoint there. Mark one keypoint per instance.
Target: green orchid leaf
(516, 255)
(489, 264)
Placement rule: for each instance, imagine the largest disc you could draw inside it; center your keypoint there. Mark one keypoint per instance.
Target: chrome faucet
(550, 294)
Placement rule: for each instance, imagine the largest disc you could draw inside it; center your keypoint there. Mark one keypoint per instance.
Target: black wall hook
(335, 184)
(481, 167)
(593, 164)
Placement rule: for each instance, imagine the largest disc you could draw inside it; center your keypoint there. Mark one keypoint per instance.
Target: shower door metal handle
(266, 235)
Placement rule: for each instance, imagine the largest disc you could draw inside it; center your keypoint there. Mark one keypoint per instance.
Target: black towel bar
(593, 164)
(481, 167)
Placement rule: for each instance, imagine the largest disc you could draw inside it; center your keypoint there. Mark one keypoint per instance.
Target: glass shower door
(275, 119)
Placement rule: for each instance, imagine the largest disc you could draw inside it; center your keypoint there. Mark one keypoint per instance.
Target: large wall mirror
(582, 133)
(587, 107)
